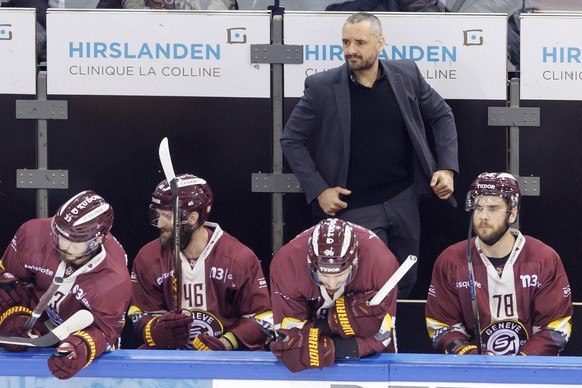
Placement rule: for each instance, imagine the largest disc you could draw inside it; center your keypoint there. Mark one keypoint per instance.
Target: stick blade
(166, 160)
(78, 321)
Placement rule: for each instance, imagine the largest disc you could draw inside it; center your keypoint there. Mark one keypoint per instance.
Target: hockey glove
(301, 349)
(12, 324)
(13, 295)
(351, 316)
(168, 331)
(204, 341)
(75, 353)
(460, 346)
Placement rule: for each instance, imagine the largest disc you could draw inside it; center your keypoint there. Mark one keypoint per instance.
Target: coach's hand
(330, 201)
(443, 183)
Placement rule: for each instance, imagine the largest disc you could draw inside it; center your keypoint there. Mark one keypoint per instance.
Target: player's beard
(78, 261)
(362, 64)
(496, 233)
(166, 237)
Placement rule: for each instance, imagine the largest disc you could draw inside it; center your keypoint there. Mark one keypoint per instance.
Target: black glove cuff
(455, 345)
(346, 348)
(323, 326)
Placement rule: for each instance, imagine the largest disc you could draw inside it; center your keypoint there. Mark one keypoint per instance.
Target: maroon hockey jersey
(225, 290)
(526, 309)
(296, 297)
(101, 286)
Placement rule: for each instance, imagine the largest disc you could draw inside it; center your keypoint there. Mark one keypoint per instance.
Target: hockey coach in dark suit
(372, 159)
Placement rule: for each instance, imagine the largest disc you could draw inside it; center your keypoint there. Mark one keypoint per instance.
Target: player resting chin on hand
(320, 304)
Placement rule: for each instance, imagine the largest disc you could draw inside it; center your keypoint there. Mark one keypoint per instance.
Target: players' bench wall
(139, 368)
(109, 144)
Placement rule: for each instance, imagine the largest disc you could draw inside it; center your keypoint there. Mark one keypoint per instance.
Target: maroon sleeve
(287, 282)
(11, 260)
(552, 310)
(444, 317)
(252, 299)
(106, 292)
(147, 290)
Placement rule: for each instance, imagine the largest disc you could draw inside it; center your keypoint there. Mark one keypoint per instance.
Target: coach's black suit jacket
(324, 112)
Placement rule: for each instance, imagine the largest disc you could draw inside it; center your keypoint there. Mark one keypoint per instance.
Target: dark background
(110, 145)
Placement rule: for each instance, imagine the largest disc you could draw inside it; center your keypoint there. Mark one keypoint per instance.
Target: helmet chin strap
(472, 290)
(186, 235)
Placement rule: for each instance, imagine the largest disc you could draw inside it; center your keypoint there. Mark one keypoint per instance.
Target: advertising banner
(17, 51)
(462, 56)
(551, 62)
(156, 53)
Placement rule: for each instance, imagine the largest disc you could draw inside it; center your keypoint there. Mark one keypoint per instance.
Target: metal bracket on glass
(513, 117)
(42, 179)
(275, 183)
(277, 53)
(529, 185)
(42, 110)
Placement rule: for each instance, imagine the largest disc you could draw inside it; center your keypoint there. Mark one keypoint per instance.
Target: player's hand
(351, 315)
(301, 349)
(204, 341)
(330, 202)
(443, 183)
(12, 292)
(466, 349)
(73, 355)
(168, 331)
(12, 325)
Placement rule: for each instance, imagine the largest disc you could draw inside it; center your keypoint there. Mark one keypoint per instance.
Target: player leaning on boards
(224, 299)
(321, 282)
(74, 251)
(522, 294)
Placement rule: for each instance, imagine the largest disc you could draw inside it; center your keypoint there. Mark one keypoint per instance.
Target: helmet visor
(491, 203)
(474, 197)
(160, 217)
(71, 251)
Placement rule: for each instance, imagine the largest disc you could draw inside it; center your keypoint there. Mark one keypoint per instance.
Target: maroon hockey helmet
(499, 184)
(85, 218)
(194, 193)
(333, 248)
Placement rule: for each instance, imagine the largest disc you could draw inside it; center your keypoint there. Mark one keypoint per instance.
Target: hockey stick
(474, 306)
(393, 281)
(166, 160)
(43, 303)
(78, 321)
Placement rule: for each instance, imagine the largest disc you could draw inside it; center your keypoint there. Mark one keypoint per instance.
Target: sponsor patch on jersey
(204, 322)
(504, 337)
